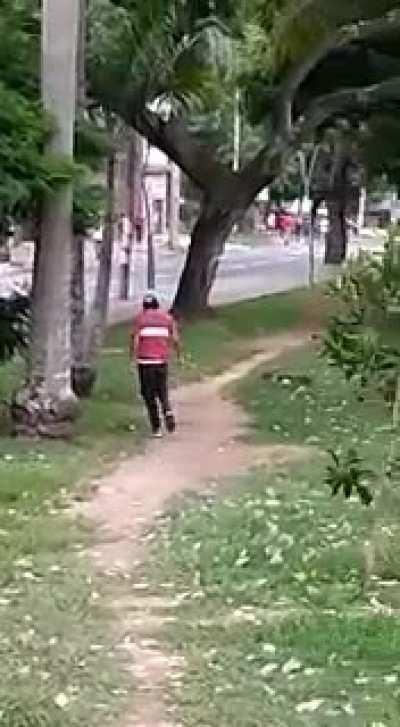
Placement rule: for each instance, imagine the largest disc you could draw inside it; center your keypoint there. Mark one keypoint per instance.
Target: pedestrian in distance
(154, 337)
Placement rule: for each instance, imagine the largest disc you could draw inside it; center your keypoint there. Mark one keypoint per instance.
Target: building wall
(163, 186)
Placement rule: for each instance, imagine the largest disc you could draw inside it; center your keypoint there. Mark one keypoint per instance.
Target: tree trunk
(85, 376)
(336, 238)
(247, 225)
(46, 405)
(209, 235)
(174, 197)
(134, 183)
(82, 378)
(151, 262)
(316, 204)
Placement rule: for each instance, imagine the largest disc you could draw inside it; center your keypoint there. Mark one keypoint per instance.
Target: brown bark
(336, 239)
(99, 315)
(88, 332)
(200, 163)
(209, 235)
(83, 377)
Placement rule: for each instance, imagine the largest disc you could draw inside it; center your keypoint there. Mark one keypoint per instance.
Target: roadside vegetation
(59, 665)
(279, 619)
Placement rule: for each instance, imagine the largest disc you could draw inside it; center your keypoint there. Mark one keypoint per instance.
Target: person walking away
(154, 335)
(286, 225)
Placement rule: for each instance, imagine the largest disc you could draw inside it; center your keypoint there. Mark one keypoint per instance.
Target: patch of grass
(216, 342)
(229, 333)
(299, 399)
(58, 667)
(57, 663)
(277, 620)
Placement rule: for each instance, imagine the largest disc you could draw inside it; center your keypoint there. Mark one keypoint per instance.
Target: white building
(152, 191)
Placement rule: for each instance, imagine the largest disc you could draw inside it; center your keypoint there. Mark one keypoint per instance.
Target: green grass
(58, 665)
(55, 643)
(278, 621)
(215, 343)
(300, 400)
(230, 333)
(275, 612)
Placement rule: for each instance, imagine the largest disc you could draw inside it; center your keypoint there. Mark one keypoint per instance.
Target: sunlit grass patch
(275, 619)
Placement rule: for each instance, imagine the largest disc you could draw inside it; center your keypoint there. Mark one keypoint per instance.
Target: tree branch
(271, 160)
(174, 139)
(360, 100)
(356, 32)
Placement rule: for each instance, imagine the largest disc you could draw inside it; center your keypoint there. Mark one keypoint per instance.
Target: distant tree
(298, 45)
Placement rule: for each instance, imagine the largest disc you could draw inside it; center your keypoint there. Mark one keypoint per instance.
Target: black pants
(154, 389)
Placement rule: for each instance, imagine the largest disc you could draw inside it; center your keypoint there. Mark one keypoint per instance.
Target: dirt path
(206, 447)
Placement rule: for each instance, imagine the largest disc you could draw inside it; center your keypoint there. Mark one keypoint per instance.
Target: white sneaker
(158, 435)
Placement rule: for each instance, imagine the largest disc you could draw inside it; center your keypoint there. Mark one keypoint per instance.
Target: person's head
(150, 301)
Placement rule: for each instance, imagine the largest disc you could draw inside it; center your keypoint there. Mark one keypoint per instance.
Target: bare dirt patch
(209, 445)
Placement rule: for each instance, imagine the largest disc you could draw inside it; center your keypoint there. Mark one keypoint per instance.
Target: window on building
(158, 216)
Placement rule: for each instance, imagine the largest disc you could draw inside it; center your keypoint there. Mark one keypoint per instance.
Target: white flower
(291, 666)
(276, 558)
(272, 503)
(361, 680)
(61, 700)
(269, 669)
(23, 563)
(269, 649)
(391, 678)
(311, 706)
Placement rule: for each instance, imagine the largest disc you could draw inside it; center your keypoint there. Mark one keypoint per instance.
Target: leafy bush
(14, 325)
(347, 473)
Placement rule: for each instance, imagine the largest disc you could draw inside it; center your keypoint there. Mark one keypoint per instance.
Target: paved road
(244, 272)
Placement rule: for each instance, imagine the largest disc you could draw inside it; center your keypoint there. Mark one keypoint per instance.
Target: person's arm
(133, 346)
(176, 340)
(133, 342)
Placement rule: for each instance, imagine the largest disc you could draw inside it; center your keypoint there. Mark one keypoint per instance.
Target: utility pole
(236, 131)
(151, 262)
(174, 200)
(307, 168)
(362, 209)
(236, 137)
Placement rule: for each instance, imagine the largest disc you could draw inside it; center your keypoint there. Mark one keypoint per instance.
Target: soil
(208, 446)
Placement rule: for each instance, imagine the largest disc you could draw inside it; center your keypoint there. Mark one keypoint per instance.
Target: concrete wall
(163, 186)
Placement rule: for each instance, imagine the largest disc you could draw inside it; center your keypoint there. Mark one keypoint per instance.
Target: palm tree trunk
(84, 379)
(46, 406)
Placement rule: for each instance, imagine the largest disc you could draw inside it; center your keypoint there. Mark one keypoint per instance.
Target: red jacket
(285, 222)
(154, 332)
